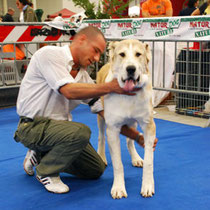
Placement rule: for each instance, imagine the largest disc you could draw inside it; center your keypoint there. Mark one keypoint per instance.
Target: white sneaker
(29, 162)
(53, 184)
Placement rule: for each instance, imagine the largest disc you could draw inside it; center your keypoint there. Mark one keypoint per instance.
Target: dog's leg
(135, 158)
(118, 188)
(101, 138)
(148, 188)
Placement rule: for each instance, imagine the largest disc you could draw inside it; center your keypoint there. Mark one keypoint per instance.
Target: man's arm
(145, 10)
(196, 12)
(80, 91)
(169, 13)
(169, 9)
(125, 130)
(131, 133)
(147, 15)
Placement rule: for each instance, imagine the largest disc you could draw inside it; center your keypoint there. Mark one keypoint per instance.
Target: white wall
(2, 9)
(49, 6)
(69, 4)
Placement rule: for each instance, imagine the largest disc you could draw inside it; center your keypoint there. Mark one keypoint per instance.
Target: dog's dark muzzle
(131, 70)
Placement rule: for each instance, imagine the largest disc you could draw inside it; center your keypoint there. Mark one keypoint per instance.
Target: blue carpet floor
(181, 161)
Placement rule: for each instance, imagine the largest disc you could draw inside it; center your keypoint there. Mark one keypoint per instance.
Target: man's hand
(132, 133)
(117, 89)
(140, 141)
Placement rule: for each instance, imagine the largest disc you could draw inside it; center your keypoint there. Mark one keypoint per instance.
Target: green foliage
(115, 7)
(87, 6)
(109, 5)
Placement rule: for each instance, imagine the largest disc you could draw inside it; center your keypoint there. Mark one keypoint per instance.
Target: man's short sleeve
(54, 71)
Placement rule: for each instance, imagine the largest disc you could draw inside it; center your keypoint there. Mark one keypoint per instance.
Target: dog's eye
(138, 54)
(122, 55)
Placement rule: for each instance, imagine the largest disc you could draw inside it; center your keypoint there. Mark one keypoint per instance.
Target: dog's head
(129, 63)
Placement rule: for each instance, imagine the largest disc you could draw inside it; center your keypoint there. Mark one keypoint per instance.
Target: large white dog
(129, 64)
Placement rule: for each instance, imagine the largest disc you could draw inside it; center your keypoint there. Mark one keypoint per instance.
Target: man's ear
(82, 38)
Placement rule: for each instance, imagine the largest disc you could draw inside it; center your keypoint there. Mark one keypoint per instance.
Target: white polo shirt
(48, 70)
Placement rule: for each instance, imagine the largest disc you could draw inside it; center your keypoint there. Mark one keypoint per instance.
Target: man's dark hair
(191, 3)
(30, 4)
(90, 32)
(24, 2)
(60, 14)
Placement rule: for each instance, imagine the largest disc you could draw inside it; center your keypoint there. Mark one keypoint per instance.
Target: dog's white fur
(123, 109)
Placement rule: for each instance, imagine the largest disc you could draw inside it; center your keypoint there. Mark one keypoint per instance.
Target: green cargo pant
(65, 146)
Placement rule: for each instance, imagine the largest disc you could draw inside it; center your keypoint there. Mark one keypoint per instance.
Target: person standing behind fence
(191, 6)
(72, 22)
(58, 18)
(48, 19)
(72, 19)
(204, 9)
(79, 20)
(8, 17)
(27, 13)
(157, 8)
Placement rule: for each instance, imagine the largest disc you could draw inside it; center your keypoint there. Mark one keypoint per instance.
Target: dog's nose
(131, 70)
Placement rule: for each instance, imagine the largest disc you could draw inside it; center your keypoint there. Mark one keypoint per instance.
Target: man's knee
(100, 170)
(97, 171)
(84, 133)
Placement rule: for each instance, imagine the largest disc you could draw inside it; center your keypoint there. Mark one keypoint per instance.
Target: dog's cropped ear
(148, 52)
(111, 47)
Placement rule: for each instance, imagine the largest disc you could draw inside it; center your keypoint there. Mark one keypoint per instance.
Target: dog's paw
(118, 192)
(137, 162)
(148, 189)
